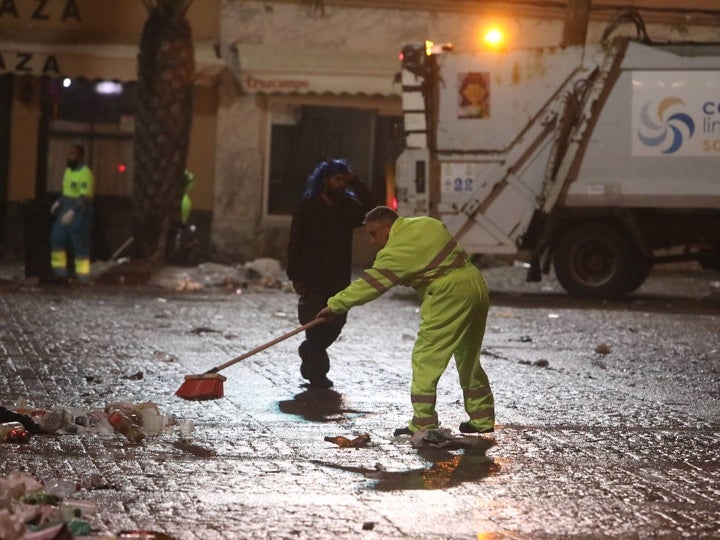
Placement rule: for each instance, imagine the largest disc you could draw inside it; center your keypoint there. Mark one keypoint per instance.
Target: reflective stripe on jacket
(419, 250)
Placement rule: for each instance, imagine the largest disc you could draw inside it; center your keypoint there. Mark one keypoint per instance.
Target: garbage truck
(596, 161)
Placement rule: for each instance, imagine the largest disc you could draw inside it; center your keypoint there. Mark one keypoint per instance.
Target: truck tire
(710, 259)
(639, 272)
(596, 261)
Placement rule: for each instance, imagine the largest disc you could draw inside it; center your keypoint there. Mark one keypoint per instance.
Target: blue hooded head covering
(327, 169)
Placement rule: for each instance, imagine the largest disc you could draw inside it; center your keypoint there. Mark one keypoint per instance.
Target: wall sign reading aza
(43, 11)
(26, 62)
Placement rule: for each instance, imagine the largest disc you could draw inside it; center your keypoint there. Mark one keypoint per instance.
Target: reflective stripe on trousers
(58, 262)
(453, 316)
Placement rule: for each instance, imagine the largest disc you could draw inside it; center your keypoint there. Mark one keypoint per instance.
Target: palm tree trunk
(166, 69)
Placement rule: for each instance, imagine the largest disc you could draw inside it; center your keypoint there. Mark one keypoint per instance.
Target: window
(303, 135)
(100, 116)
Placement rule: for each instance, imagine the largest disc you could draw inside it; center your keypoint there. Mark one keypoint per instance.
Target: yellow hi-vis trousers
(452, 323)
(58, 263)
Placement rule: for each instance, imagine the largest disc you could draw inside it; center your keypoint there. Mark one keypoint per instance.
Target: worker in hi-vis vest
(186, 202)
(419, 252)
(73, 217)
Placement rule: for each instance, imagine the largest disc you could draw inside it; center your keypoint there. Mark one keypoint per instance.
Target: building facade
(318, 79)
(281, 85)
(67, 74)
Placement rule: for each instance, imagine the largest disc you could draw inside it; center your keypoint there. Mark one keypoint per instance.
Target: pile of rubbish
(256, 275)
(259, 274)
(134, 421)
(31, 509)
(53, 509)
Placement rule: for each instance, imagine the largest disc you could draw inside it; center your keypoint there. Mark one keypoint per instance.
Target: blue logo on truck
(664, 129)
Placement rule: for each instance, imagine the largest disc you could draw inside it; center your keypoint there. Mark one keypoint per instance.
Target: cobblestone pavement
(617, 445)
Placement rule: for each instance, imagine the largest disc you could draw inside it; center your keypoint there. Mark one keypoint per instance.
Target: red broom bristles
(202, 387)
(209, 385)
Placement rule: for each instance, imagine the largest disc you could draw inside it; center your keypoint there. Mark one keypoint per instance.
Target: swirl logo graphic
(664, 129)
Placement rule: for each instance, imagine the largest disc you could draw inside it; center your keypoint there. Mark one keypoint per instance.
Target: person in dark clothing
(320, 256)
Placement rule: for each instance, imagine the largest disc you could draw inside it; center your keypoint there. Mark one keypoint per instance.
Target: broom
(209, 385)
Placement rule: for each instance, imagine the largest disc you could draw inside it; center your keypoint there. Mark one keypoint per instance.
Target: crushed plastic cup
(186, 427)
(152, 421)
(60, 488)
(56, 420)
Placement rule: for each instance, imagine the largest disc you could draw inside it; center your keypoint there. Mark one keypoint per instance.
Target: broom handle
(256, 350)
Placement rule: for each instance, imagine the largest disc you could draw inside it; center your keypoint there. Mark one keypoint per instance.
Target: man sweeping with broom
(420, 252)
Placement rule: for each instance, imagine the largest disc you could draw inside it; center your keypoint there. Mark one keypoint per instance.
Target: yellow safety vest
(78, 183)
(419, 250)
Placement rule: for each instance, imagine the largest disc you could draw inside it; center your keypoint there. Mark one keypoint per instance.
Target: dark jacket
(320, 246)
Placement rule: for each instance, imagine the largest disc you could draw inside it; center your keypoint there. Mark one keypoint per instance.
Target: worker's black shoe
(320, 382)
(467, 427)
(402, 431)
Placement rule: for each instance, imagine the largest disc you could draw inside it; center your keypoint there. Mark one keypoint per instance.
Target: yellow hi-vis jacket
(78, 188)
(419, 250)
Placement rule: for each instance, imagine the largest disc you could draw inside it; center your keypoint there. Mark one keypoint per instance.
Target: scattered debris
(358, 442)
(204, 330)
(13, 432)
(602, 348)
(194, 449)
(164, 357)
(431, 437)
(6, 415)
(144, 535)
(444, 438)
(491, 354)
(144, 416)
(31, 509)
(260, 273)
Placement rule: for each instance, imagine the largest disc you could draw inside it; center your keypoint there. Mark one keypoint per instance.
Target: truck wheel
(710, 259)
(596, 261)
(639, 272)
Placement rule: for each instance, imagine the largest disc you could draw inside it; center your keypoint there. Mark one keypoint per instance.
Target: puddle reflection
(448, 469)
(317, 405)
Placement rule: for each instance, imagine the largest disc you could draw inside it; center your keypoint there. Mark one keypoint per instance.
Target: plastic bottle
(13, 432)
(60, 488)
(122, 424)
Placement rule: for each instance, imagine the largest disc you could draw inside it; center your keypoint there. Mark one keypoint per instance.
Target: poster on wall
(473, 95)
(675, 113)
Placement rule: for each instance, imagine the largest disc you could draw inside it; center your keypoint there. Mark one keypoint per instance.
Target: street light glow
(494, 37)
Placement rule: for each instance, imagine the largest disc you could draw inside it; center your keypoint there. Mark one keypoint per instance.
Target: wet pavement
(608, 414)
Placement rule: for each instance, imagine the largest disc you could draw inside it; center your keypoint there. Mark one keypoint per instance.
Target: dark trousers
(313, 351)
